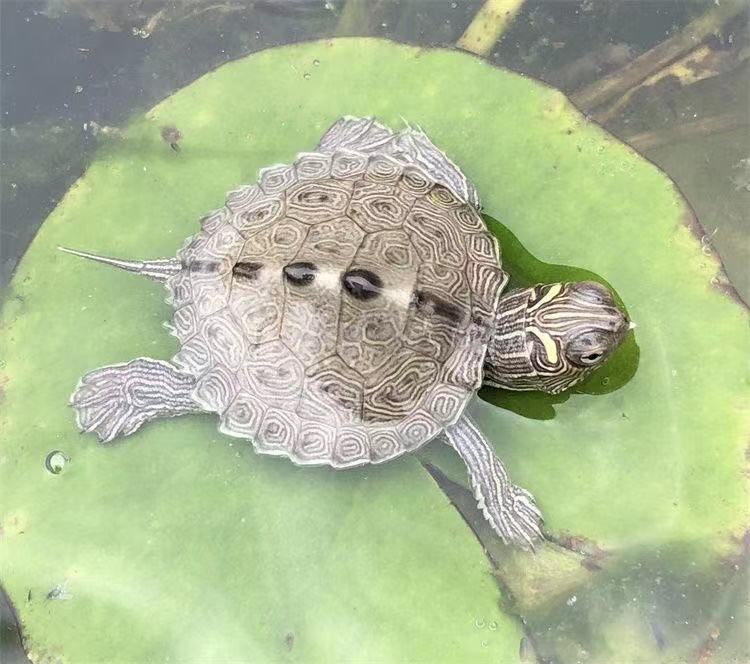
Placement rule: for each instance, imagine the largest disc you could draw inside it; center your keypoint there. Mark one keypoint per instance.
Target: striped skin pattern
(510, 510)
(549, 337)
(118, 399)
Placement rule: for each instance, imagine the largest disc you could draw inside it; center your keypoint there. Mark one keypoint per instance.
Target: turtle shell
(338, 311)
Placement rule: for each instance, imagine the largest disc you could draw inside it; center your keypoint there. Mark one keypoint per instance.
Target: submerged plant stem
(490, 23)
(649, 140)
(698, 65)
(655, 59)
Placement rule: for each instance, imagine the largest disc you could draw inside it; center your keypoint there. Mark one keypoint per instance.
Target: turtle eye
(590, 358)
(588, 349)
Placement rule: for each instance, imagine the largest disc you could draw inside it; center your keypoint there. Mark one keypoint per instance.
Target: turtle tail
(159, 270)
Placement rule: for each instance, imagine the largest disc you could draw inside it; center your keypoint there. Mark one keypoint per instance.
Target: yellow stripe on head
(551, 294)
(550, 347)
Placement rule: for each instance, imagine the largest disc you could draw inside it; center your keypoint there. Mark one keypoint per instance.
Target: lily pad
(179, 543)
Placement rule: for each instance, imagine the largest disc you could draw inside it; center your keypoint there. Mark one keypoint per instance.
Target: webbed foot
(116, 400)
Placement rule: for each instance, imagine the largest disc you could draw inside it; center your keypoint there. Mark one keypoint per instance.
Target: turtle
(345, 309)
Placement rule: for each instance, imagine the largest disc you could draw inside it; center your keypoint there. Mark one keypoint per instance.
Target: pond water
(640, 470)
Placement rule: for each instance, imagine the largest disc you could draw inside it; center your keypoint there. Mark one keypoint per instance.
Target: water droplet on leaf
(56, 461)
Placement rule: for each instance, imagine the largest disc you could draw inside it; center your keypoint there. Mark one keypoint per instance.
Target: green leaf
(179, 543)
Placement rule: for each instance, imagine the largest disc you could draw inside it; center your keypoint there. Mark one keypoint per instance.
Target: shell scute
(215, 220)
(396, 388)
(383, 169)
(272, 372)
(332, 244)
(349, 165)
(311, 310)
(180, 289)
(445, 402)
(414, 181)
(333, 392)
(313, 202)
(276, 179)
(260, 214)
(314, 443)
(278, 433)
(467, 219)
(444, 198)
(416, 429)
(224, 338)
(243, 417)
(216, 389)
(352, 447)
(257, 300)
(439, 313)
(193, 356)
(435, 240)
(488, 282)
(251, 209)
(239, 199)
(385, 444)
(185, 322)
(313, 166)
(210, 292)
(375, 206)
(463, 368)
(370, 329)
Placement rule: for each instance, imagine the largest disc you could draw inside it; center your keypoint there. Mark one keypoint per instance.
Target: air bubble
(605, 381)
(306, 76)
(316, 63)
(479, 623)
(492, 626)
(55, 461)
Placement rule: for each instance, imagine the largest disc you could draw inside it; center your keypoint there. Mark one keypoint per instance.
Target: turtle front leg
(115, 400)
(511, 510)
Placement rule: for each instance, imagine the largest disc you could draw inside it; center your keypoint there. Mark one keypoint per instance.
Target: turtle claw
(509, 509)
(103, 405)
(116, 400)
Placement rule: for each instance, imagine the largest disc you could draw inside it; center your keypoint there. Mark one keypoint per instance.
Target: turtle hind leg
(510, 510)
(116, 400)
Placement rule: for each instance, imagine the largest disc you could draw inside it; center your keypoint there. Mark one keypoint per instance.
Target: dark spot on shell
(300, 274)
(435, 305)
(313, 197)
(204, 266)
(383, 207)
(256, 215)
(243, 270)
(362, 284)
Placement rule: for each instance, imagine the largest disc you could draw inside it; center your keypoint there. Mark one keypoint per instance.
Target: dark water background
(73, 69)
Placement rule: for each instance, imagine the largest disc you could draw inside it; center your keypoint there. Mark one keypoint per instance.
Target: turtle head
(549, 337)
